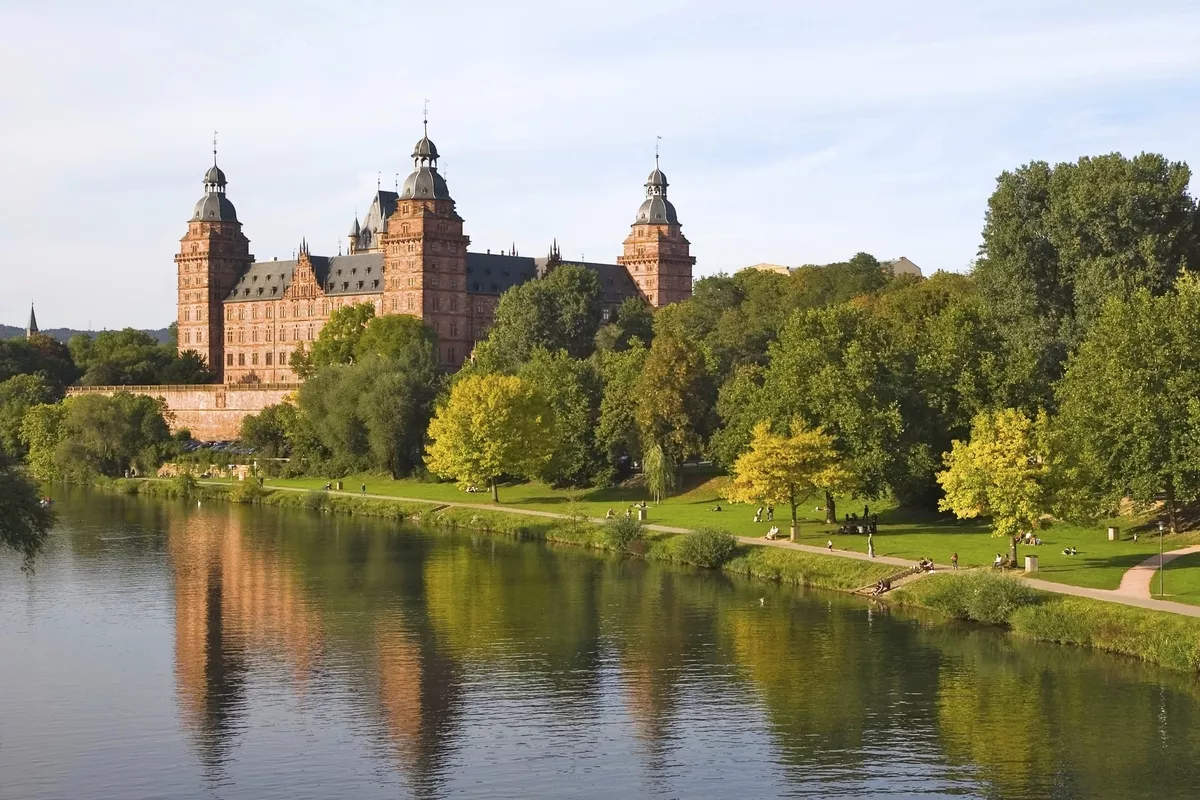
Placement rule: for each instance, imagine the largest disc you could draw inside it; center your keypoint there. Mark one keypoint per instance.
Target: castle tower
(213, 254)
(657, 256)
(425, 257)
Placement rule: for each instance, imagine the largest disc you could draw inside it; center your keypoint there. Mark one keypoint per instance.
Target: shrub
(622, 532)
(316, 500)
(979, 596)
(184, 485)
(247, 492)
(707, 547)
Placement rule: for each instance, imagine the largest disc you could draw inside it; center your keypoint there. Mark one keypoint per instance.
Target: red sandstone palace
(409, 256)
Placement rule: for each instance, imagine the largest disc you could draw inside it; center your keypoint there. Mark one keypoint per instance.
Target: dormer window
(345, 285)
(375, 284)
(360, 284)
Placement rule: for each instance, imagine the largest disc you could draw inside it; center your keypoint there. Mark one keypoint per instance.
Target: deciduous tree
(491, 426)
(788, 470)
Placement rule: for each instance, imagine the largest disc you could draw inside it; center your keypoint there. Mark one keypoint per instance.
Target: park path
(1136, 582)
(1106, 595)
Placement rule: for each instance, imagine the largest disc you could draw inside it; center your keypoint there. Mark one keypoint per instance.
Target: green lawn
(902, 532)
(1182, 580)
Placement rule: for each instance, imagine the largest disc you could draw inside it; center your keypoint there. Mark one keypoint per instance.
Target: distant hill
(63, 334)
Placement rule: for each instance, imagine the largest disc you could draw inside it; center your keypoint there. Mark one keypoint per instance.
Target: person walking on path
(363, 489)
(770, 513)
(870, 545)
(954, 561)
(866, 512)
(829, 545)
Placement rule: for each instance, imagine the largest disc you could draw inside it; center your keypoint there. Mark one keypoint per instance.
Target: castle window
(254, 359)
(453, 328)
(254, 313)
(268, 358)
(453, 282)
(229, 337)
(241, 313)
(187, 337)
(199, 337)
(229, 360)
(453, 247)
(241, 359)
(395, 305)
(187, 315)
(241, 336)
(437, 303)
(453, 356)
(283, 357)
(409, 302)
(270, 312)
(269, 332)
(312, 308)
(479, 304)
(404, 226)
(433, 281)
(454, 304)
(254, 335)
(309, 333)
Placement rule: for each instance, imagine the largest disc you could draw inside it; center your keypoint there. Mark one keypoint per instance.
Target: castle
(408, 256)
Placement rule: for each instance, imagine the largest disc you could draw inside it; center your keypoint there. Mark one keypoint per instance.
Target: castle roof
(656, 209)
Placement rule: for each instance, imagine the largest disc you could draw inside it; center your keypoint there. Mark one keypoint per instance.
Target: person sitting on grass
(1070, 551)
(758, 514)
(715, 508)
(999, 562)
(610, 514)
(773, 533)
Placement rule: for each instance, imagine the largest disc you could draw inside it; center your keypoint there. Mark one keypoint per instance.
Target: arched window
(187, 315)
(453, 356)
(270, 312)
(254, 312)
(187, 337)
(453, 327)
(199, 337)
(409, 303)
(395, 304)
(254, 335)
(241, 313)
(229, 337)
(454, 303)
(310, 332)
(241, 336)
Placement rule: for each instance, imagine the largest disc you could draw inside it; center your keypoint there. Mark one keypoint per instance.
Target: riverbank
(1156, 637)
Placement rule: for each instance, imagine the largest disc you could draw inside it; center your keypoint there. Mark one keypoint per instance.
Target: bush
(316, 500)
(707, 547)
(184, 485)
(247, 492)
(622, 532)
(979, 596)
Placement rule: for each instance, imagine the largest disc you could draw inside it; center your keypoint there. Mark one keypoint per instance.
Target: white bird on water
(762, 601)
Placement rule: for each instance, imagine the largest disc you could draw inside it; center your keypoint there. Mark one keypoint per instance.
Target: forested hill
(64, 334)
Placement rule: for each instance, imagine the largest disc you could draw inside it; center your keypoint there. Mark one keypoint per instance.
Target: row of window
(268, 334)
(308, 309)
(268, 359)
(199, 338)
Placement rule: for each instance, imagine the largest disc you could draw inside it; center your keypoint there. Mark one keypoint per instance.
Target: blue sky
(793, 132)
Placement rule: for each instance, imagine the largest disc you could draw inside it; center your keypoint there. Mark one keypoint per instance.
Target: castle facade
(408, 256)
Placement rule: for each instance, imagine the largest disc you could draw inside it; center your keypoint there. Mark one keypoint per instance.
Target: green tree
(559, 312)
(673, 398)
(188, 367)
(616, 429)
(787, 470)
(24, 523)
(573, 390)
(267, 431)
(490, 426)
(18, 394)
(634, 320)
(1001, 472)
(120, 358)
(1129, 415)
(338, 341)
(42, 433)
(401, 338)
(39, 353)
(660, 472)
(102, 435)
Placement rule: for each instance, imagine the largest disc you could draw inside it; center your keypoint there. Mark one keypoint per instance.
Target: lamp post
(1161, 565)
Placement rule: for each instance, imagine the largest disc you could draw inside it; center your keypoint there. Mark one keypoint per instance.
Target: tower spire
(657, 139)
(425, 116)
(214, 148)
(32, 328)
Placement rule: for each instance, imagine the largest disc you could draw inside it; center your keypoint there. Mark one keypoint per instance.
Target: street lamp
(1161, 566)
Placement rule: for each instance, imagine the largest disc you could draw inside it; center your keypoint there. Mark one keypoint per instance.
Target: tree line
(1077, 327)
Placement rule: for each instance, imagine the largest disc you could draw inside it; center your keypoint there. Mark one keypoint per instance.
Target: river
(164, 650)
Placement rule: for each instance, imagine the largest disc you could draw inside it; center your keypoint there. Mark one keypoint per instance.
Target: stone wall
(212, 412)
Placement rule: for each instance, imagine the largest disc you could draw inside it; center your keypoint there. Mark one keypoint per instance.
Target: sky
(793, 132)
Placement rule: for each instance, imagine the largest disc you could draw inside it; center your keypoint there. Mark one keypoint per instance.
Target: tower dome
(214, 206)
(424, 183)
(656, 209)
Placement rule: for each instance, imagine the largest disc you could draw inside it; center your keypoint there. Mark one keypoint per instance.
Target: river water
(166, 650)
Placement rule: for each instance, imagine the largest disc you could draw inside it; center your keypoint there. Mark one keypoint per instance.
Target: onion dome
(425, 149)
(215, 176)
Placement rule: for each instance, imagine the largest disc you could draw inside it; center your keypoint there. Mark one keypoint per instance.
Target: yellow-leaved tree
(787, 470)
(1001, 473)
(491, 425)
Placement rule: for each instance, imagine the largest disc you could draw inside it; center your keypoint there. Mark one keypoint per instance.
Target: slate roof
(214, 206)
(493, 273)
(361, 273)
(383, 205)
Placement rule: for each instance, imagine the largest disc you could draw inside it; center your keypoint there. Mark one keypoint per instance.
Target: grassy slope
(903, 533)
(1182, 580)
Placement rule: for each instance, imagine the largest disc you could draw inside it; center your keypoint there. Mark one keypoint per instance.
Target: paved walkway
(1107, 595)
(1136, 582)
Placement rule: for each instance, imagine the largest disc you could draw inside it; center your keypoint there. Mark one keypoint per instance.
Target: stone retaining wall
(212, 412)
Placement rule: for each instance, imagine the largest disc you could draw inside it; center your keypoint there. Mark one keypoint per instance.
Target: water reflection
(380, 662)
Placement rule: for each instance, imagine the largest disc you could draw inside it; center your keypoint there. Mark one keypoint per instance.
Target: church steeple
(32, 328)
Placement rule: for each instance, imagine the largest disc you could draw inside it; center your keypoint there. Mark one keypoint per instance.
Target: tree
(660, 472)
(1129, 415)
(634, 320)
(560, 312)
(673, 398)
(337, 343)
(779, 470)
(39, 353)
(490, 426)
(401, 338)
(267, 431)
(42, 432)
(100, 435)
(24, 522)
(125, 357)
(18, 394)
(1001, 472)
(616, 429)
(187, 368)
(572, 388)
